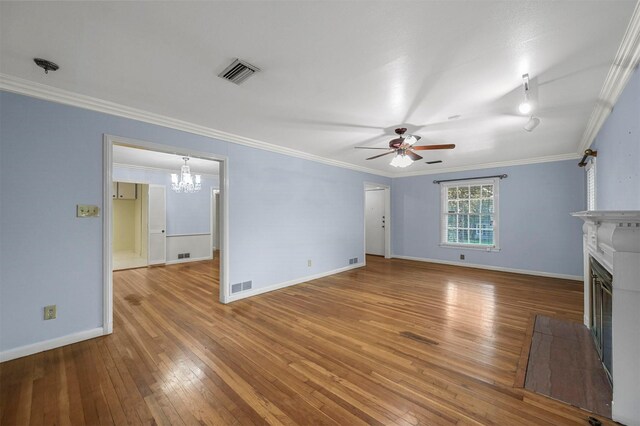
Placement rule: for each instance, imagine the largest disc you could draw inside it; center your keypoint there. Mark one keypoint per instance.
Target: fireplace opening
(601, 309)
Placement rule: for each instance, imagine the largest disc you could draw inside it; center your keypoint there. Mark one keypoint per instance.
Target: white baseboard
(257, 291)
(46, 345)
(195, 259)
(492, 268)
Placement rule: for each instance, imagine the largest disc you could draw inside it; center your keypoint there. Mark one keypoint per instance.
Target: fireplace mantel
(613, 239)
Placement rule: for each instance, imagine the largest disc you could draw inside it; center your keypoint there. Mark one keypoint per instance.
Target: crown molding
(522, 162)
(626, 61)
(41, 91)
(160, 169)
(36, 90)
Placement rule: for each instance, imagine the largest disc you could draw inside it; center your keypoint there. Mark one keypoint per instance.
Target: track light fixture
(532, 123)
(525, 107)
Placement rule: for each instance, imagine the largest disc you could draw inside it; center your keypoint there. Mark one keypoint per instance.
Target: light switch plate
(87, 210)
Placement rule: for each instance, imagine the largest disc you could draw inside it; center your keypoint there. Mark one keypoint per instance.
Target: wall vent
(353, 261)
(238, 71)
(246, 285)
(236, 287)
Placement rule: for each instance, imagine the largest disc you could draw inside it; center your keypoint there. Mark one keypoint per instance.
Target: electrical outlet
(86, 210)
(462, 257)
(50, 312)
(309, 263)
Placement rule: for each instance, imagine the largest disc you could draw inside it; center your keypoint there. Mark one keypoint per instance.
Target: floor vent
(238, 71)
(236, 288)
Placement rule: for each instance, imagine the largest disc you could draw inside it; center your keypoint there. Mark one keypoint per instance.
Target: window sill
(470, 247)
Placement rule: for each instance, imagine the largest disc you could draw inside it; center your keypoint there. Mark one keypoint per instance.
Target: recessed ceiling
(161, 160)
(335, 75)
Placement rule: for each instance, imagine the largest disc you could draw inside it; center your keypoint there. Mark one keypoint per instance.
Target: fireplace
(601, 311)
(611, 243)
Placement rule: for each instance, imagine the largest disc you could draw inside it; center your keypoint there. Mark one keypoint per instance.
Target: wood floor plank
(393, 343)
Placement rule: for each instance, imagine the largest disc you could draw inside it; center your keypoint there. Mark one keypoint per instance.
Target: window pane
(452, 193)
(452, 207)
(475, 206)
(487, 237)
(452, 221)
(487, 206)
(487, 191)
(474, 221)
(463, 206)
(463, 221)
(463, 236)
(474, 236)
(476, 191)
(463, 192)
(486, 222)
(452, 236)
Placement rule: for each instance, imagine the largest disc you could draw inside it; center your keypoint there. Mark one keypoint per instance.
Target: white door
(374, 222)
(157, 248)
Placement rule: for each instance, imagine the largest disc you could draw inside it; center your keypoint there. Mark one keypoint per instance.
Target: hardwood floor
(396, 342)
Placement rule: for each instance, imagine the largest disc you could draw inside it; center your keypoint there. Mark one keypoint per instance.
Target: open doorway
(157, 212)
(377, 220)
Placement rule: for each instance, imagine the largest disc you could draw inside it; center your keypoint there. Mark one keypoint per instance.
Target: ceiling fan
(403, 147)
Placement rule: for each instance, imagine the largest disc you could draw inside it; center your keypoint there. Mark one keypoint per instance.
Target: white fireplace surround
(613, 239)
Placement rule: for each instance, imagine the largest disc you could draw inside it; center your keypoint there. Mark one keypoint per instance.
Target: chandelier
(187, 182)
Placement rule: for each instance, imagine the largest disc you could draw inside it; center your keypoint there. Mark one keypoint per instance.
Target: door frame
(107, 166)
(387, 216)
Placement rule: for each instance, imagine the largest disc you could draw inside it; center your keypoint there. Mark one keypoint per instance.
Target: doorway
(377, 220)
(171, 236)
(130, 225)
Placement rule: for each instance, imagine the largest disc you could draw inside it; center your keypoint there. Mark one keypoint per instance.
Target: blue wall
(618, 146)
(186, 213)
(536, 231)
(283, 211)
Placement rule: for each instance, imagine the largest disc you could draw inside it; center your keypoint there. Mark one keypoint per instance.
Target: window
(591, 184)
(470, 214)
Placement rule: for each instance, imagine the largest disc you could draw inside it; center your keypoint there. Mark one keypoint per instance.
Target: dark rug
(564, 365)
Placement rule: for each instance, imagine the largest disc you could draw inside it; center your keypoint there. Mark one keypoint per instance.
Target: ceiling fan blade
(368, 147)
(413, 155)
(428, 147)
(381, 155)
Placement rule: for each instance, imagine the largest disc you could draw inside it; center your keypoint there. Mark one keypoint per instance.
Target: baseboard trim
(492, 268)
(195, 259)
(244, 295)
(46, 345)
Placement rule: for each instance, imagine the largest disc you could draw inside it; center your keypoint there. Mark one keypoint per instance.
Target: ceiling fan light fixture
(525, 107)
(410, 140)
(532, 123)
(401, 160)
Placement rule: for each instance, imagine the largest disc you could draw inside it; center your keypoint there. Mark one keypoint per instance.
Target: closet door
(157, 249)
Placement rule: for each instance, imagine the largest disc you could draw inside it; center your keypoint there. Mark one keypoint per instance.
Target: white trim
(46, 345)
(36, 90)
(195, 259)
(107, 247)
(156, 169)
(509, 163)
(189, 235)
(591, 166)
(257, 291)
(21, 86)
(624, 64)
(492, 268)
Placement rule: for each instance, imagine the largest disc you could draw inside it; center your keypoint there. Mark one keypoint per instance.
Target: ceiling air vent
(238, 71)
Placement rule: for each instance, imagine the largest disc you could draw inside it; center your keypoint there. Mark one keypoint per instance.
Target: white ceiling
(336, 75)
(161, 160)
